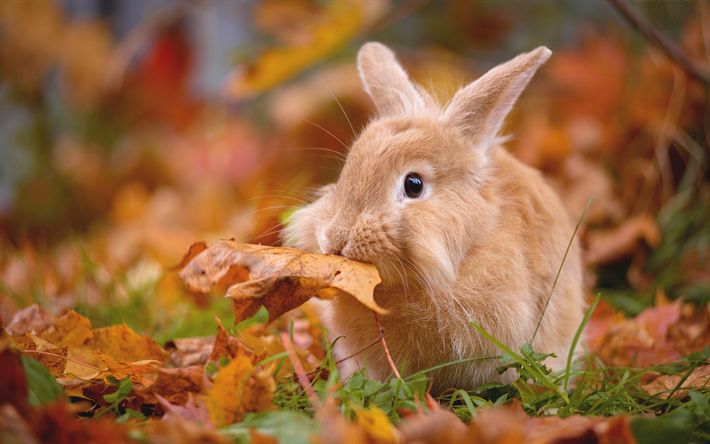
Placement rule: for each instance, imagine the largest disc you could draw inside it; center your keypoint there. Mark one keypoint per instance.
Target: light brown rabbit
(459, 230)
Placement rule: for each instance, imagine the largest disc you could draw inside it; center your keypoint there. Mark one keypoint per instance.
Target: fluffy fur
(482, 244)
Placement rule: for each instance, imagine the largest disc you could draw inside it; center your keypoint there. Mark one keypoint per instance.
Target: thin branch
(669, 48)
(300, 371)
(384, 346)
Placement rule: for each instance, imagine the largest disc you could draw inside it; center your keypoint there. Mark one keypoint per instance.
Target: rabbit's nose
(333, 240)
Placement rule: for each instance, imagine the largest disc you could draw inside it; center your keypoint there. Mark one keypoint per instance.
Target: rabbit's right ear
(386, 82)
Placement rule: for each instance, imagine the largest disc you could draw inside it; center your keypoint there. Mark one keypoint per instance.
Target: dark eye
(413, 185)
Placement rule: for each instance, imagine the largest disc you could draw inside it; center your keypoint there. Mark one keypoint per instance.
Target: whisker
(272, 207)
(273, 229)
(320, 78)
(328, 132)
(271, 196)
(319, 148)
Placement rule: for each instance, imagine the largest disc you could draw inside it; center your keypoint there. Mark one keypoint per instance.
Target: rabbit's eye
(413, 185)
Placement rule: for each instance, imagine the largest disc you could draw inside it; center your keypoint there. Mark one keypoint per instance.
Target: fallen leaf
(194, 410)
(438, 426)
(226, 345)
(692, 331)
(664, 385)
(175, 429)
(377, 426)
(335, 429)
(124, 344)
(14, 429)
(55, 423)
(237, 389)
(280, 279)
(174, 385)
(13, 390)
(190, 351)
(511, 424)
(30, 319)
(641, 341)
(610, 245)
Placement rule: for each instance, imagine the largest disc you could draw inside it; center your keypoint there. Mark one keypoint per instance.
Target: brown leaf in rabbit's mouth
(280, 279)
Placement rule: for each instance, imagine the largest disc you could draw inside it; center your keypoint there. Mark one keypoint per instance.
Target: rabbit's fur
(483, 243)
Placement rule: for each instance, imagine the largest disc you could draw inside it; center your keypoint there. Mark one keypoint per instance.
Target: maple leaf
(278, 278)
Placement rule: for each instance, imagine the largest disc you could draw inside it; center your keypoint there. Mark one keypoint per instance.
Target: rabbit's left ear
(385, 81)
(479, 110)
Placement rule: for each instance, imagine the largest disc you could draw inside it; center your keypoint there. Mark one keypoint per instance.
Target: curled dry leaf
(280, 279)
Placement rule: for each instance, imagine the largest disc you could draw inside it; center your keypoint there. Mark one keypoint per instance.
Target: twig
(384, 346)
(341, 360)
(300, 371)
(669, 48)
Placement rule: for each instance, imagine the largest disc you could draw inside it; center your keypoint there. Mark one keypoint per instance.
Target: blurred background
(131, 129)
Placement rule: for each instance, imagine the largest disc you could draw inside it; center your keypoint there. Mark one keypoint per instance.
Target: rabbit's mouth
(396, 273)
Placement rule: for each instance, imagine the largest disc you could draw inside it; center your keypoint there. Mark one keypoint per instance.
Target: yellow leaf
(278, 278)
(339, 22)
(377, 425)
(69, 330)
(224, 399)
(123, 344)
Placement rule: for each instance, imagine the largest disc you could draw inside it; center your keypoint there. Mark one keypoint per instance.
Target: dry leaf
(664, 385)
(14, 429)
(377, 426)
(280, 279)
(512, 425)
(238, 389)
(174, 385)
(122, 343)
(228, 346)
(619, 242)
(438, 426)
(193, 410)
(641, 341)
(189, 351)
(335, 429)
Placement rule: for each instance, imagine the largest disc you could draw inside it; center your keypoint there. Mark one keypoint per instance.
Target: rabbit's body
(480, 240)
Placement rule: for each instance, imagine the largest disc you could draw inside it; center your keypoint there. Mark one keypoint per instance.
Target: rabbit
(459, 230)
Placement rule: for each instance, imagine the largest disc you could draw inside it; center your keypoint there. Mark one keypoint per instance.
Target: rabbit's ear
(386, 82)
(479, 110)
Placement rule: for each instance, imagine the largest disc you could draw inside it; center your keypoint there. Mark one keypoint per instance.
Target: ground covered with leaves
(110, 333)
